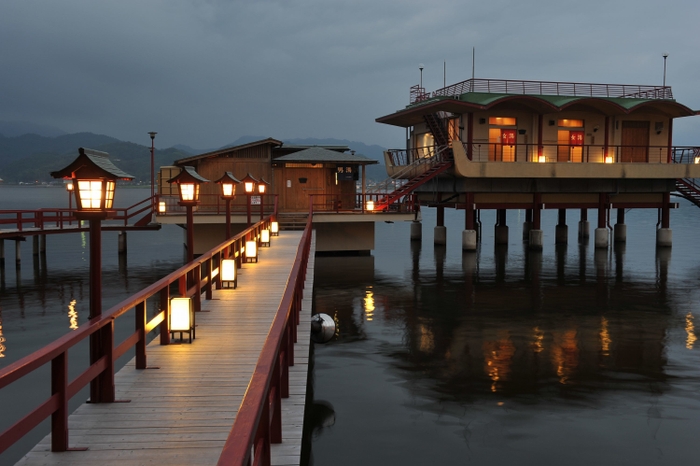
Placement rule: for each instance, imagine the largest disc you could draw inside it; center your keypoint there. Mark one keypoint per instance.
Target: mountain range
(30, 157)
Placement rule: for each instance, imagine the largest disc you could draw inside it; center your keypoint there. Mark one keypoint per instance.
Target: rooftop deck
(182, 412)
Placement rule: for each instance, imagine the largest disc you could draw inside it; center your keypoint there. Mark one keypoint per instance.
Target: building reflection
(479, 331)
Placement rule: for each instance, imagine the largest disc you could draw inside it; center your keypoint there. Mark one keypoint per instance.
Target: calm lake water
(570, 356)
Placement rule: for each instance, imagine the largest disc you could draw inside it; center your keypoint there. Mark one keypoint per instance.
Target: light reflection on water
(570, 355)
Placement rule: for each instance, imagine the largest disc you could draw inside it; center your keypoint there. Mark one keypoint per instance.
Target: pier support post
(35, 245)
(121, 240)
(18, 255)
(440, 233)
(501, 228)
(2, 253)
(561, 233)
(535, 240)
(42, 244)
(601, 238)
(469, 240)
(664, 235)
(584, 227)
(527, 224)
(620, 229)
(416, 231)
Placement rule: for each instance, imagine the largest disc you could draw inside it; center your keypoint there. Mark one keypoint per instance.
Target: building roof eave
(218, 152)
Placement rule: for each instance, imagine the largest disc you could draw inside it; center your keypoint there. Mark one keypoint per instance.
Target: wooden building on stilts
(504, 145)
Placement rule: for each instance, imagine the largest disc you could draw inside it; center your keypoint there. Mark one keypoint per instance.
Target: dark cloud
(204, 73)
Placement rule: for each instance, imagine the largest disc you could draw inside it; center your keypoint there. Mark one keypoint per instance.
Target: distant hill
(31, 158)
(18, 128)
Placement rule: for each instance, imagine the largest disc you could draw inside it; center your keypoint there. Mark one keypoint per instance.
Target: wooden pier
(181, 409)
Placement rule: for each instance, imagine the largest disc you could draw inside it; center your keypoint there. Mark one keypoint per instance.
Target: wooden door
(508, 141)
(576, 146)
(635, 141)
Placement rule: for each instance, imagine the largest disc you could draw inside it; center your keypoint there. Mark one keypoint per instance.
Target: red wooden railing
(259, 419)
(64, 219)
(204, 268)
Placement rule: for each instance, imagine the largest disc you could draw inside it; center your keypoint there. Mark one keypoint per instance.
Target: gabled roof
(92, 163)
(226, 150)
(321, 154)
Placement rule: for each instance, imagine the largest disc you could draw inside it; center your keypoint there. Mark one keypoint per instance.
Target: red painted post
(140, 325)
(59, 418)
(165, 308)
(275, 401)
(106, 378)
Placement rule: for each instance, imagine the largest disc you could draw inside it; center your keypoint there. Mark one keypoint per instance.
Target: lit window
(566, 123)
(503, 121)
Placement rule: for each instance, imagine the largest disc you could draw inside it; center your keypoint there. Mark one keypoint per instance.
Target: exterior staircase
(688, 189)
(439, 163)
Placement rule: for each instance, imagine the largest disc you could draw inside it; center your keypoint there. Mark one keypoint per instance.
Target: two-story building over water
(504, 145)
(330, 180)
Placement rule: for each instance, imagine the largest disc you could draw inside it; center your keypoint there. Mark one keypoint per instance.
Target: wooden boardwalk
(182, 412)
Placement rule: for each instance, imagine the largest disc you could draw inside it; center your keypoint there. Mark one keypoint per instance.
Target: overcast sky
(205, 72)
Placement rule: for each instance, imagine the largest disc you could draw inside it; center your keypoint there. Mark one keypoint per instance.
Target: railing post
(275, 401)
(165, 308)
(59, 418)
(210, 266)
(106, 378)
(140, 325)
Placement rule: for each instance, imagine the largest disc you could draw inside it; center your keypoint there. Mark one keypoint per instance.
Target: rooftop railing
(504, 86)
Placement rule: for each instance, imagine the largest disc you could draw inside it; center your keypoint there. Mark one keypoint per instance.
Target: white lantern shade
(228, 189)
(251, 251)
(608, 159)
(180, 314)
(161, 207)
(265, 237)
(249, 186)
(189, 192)
(95, 194)
(542, 159)
(370, 205)
(228, 271)
(275, 228)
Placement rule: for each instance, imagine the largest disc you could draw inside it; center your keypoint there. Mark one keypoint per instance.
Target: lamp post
(249, 186)
(188, 181)
(69, 188)
(420, 67)
(228, 184)
(262, 189)
(94, 179)
(664, 84)
(153, 171)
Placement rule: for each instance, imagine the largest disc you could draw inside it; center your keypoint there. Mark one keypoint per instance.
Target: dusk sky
(205, 72)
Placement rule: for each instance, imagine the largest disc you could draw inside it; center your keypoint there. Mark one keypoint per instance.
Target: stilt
(561, 234)
(584, 227)
(620, 230)
(416, 230)
(469, 236)
(536, 235)
(18, 255)
(42, 244)
(527, 224)
(440, 234)
(601, 233)
(664, 235)
(501, 228)
(2, 253)
(122, 242)
(35, 245)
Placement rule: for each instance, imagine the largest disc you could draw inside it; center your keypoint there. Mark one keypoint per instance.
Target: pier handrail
(259, 420)
(204, 268)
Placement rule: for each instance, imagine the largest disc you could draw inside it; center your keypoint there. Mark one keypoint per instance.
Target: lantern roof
(228, 178)
(92, 163)
(248, 178)
(188, 175)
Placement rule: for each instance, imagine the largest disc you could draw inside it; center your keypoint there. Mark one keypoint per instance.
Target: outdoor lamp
(262, 186)
(265, 238)
(541, 159)
(69, 186)
(251, 251)
(228, 184)
(181, 316)
(274, 228)
(608, 159)
(228, 273)
(188, 182)
(161, 207)
(249, 184)
(370, 205)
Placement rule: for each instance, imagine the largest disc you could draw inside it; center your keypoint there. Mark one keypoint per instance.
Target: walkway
(182, 412)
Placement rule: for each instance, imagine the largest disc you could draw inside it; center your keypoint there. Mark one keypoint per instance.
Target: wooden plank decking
(182, 412)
